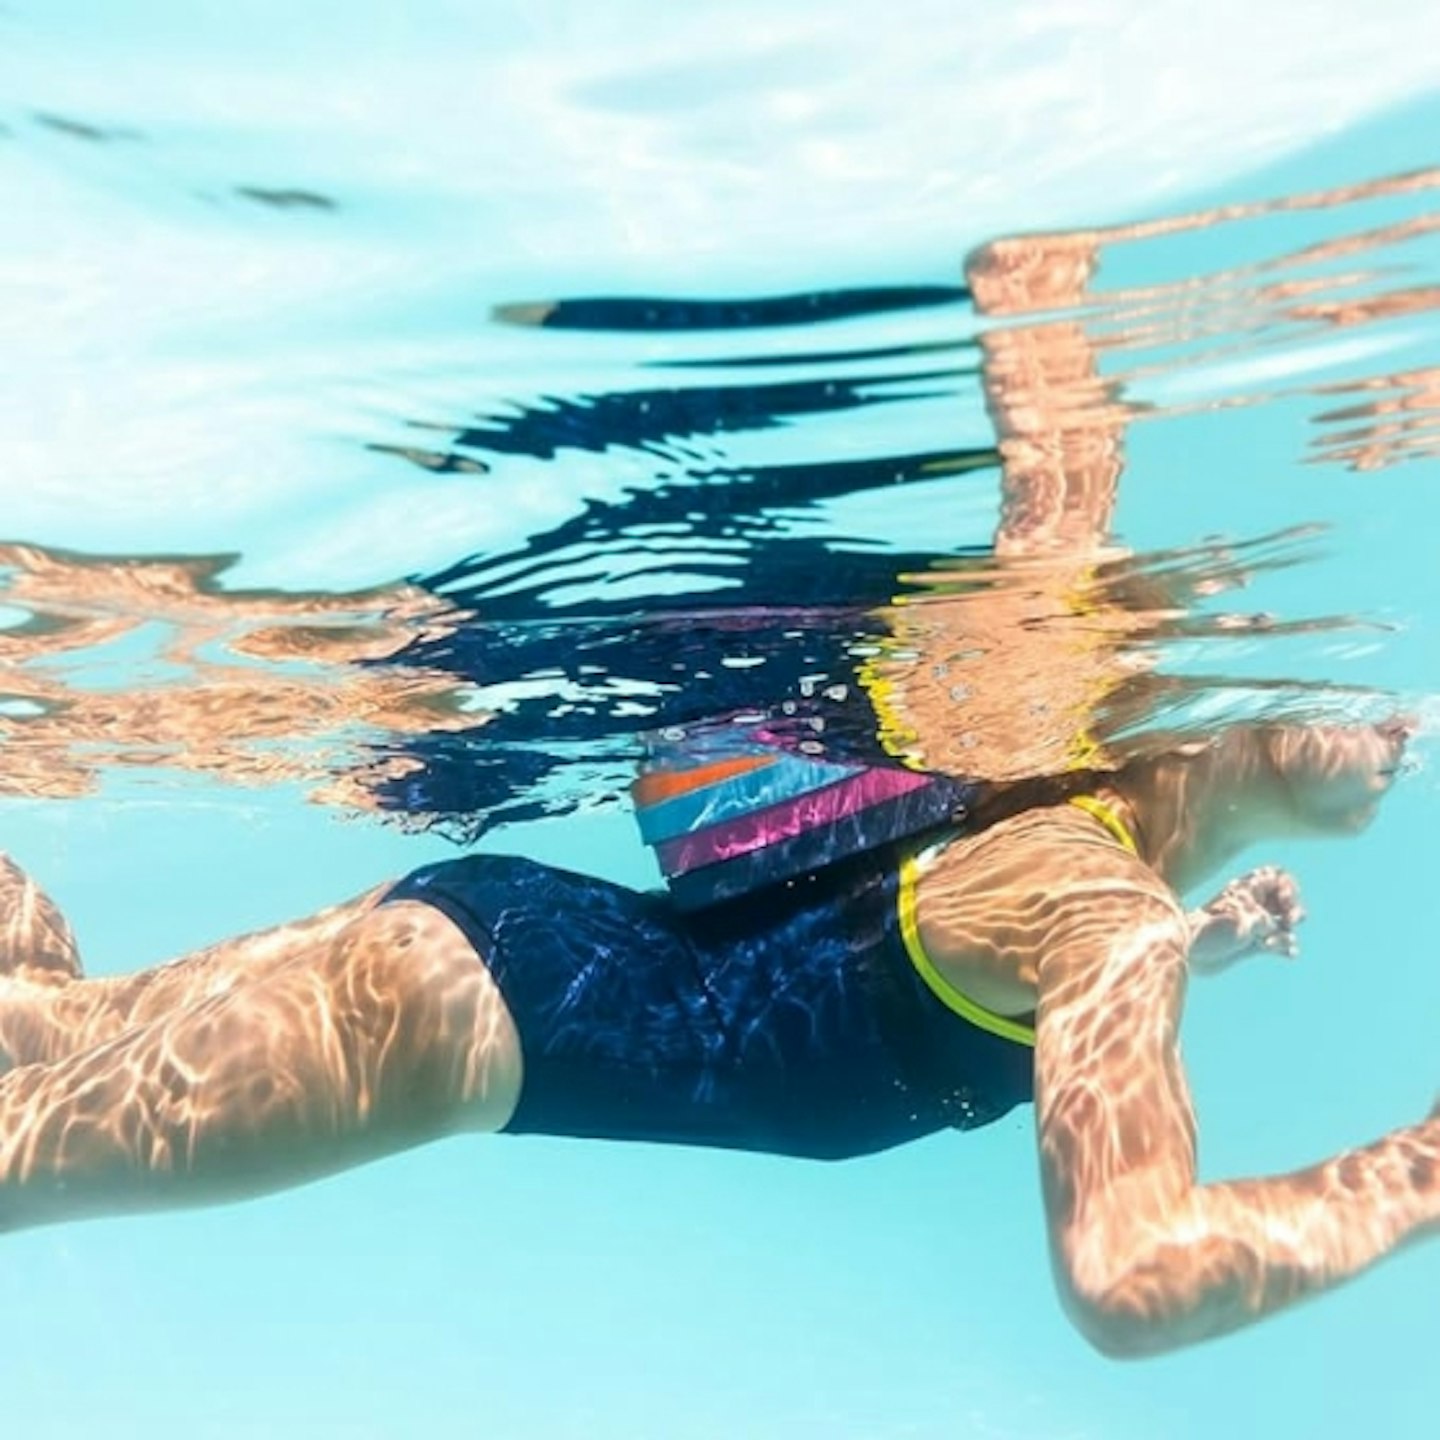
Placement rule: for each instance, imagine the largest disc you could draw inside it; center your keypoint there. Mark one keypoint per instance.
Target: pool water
(402, 415)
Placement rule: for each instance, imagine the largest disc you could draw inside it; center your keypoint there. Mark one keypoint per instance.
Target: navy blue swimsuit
(792, 1021)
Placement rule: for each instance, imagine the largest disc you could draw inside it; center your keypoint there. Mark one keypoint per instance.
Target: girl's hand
(1256, 914)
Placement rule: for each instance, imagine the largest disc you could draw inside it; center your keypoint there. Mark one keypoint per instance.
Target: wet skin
(1048, 910)
(275, 1058)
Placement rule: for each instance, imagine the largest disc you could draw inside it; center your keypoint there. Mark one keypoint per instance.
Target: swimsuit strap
(1107, 815)
(949, 995)
(944, 990)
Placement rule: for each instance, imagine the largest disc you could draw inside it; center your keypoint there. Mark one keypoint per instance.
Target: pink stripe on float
(750, 832)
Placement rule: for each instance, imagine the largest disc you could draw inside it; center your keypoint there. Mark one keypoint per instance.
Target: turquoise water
(251, 262)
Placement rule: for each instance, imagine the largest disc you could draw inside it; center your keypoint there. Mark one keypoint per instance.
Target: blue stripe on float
(792, 775)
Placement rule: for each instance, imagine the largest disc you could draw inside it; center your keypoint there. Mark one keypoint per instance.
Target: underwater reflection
(146, 662)
(1393, 418)
(396, 700)
(1038, 657)
(649, 314)
(517, 682)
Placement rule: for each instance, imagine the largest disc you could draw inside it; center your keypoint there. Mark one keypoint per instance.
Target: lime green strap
(946, 993)
(944, 990)
(1105, 814)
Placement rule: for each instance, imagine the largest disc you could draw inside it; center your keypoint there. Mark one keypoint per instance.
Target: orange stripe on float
(658, 785)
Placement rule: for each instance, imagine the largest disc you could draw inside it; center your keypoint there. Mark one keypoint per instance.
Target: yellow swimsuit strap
(1108, 817)
(944, 991)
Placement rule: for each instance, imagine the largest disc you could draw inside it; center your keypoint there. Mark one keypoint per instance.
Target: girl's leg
(48, 1010)
(347, 1047)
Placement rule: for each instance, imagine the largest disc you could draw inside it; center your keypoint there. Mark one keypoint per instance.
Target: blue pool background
(187, 372)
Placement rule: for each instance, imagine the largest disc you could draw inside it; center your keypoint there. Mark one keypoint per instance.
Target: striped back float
(728, 811)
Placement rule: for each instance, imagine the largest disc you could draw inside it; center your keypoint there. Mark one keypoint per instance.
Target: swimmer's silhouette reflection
(652, 314)
(671, 604)
(1000, 669)
(1384, 421)
(670, 420)
(252, 687)
(511, 684)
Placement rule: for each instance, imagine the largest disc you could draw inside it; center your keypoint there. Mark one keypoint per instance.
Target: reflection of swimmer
(1051, 658)
(59, 736)
(572, 641)
(1399, 421)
